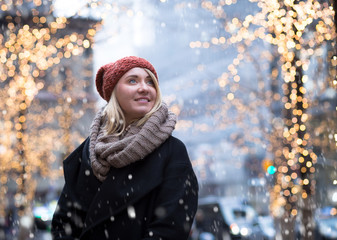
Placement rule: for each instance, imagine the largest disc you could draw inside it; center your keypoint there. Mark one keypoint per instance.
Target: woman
(130, 179)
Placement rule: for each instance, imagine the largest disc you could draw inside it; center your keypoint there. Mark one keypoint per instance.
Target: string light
(31, 139)
(287, 26)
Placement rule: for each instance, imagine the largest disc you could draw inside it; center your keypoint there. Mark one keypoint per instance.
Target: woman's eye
(132, 81)
(150, 82)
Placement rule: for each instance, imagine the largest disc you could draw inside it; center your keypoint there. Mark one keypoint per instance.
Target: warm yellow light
(86, 43)
(230, 96)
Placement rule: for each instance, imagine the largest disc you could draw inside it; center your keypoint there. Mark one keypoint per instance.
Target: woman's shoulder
(75, 157)
(176, 141)
(173, 144)
(176, 151)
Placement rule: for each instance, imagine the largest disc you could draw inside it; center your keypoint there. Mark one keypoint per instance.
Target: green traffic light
(271, 170)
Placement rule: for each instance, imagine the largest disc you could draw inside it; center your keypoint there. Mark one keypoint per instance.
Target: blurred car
(327, 228)
(227, 218)
(267, 226)
(43, 214)
(195, 234)
(326, 223)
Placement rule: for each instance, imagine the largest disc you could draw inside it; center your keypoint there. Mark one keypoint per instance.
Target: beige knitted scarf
(134, 144)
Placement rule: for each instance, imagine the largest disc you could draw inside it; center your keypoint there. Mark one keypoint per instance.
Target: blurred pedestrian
(130, 179)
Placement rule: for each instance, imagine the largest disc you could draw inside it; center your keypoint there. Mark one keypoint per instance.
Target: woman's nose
(142, 86)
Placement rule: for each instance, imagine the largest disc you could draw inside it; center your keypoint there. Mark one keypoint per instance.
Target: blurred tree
(301, 35)
(42, 92)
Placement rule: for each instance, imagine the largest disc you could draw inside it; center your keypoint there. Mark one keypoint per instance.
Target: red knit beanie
(109, 74)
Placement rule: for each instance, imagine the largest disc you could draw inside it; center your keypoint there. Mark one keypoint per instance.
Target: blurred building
(188, 78)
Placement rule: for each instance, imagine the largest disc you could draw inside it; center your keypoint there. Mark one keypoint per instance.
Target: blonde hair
(115, 123)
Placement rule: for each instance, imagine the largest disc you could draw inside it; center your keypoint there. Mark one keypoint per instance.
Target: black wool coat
(154, 198)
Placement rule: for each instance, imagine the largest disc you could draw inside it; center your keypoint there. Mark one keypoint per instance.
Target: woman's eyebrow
(137, 76)
(133, 76)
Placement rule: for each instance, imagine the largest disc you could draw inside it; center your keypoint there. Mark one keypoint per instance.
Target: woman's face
(136, 94)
